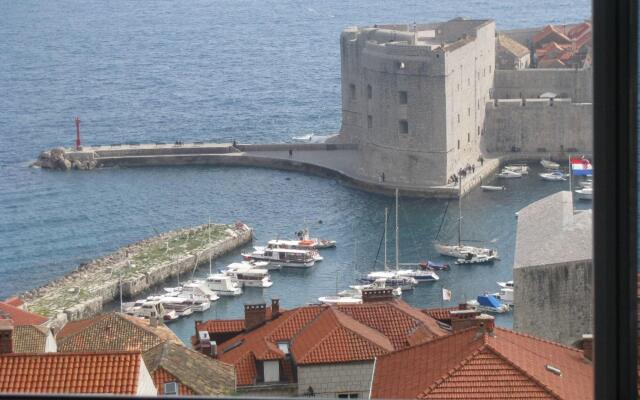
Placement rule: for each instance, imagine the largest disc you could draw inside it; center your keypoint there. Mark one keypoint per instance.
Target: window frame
(164, 388)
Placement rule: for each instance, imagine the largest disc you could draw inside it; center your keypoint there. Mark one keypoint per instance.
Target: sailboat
(464, 253)
(406, 279)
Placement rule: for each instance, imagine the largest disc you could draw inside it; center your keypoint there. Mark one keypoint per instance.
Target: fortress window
(468, 137)
(458, 118)
(458, 144)
(400, 65)
(478, 104)
(352, 90)
(478, 131)
(369, 122)
(469, 111)
(403, 126)
(369, 91)
(489, 68)
(402, 97)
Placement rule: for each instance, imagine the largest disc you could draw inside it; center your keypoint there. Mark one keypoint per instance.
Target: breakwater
(133, 269)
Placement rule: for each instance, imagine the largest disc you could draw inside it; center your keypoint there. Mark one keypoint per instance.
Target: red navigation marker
(77, 120)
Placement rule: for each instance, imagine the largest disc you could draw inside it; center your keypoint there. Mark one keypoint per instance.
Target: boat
(224, 285)
(283, 257)
(419, 275)
(380, 283)
(339, 300)
(252, 277)
(555, 176)
(549, 164)
(505, 295)
(395, 281)
(507, 284)
(488, 188)
(145, 308)
(305, 239)
(586, 183)
(489, 303)
(585, 193)
(520, 168)
(476, 259)
(309, 246)
(460, 250)
(507, 174)
(433, 266)
(179, 304)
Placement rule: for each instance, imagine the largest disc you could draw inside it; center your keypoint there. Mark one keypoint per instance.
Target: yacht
(507, 284)
(149, 308)
(489, 303)
(380, 283)
(292, 244)
(554, 176)
(489, 188)
(419, 275)
(282, 257)
(224, 285)
(476, 259)
(505, 295)
(433, 266)
(252, 277)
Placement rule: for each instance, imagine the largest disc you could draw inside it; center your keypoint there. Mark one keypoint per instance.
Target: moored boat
(476, 259)
(488, 303)
(339, 300)
(283, 257)
(434, 266)
(520, 168)
(224, 285)
(489, 188)
(585, 193)
(508, 174)
(258, 278)
(549, 164)
(554, 176)
(507, 284)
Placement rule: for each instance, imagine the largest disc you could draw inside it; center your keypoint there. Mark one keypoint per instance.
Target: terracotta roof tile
(29, 339)
(202, 375)
(550, 30)
(512, 46)
(19, 316)
(161, 376)
(14, 301)
(475, 365)
(579, 30)
(116, 373)
(441, 314)
(221, 326)
(113, 332)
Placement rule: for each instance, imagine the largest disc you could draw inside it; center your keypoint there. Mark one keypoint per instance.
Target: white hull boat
(549, 164)
(507, 284)
(149, 308)
(584, 193)
(462, 251)
(258, 278)
(522, 169)
(290, 244)
(380, 283)
(489, 303)
(293, 258)
(224, 285)
(507, 174)
(488, 188)
(553, 176)
(418, 274)
(505, 295)
(476, 259)
(339, 300)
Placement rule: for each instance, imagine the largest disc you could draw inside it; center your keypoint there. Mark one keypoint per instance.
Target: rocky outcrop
(62, 160)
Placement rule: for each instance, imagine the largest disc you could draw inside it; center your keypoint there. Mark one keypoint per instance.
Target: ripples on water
(245, 70)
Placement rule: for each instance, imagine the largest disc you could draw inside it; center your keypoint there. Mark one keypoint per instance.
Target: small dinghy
(520, 168)
(507, 174)
(585, 193)
(549, 164)
(555, 176)
(488, 188)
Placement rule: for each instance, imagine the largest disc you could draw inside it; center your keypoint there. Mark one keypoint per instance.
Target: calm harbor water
(215, 70)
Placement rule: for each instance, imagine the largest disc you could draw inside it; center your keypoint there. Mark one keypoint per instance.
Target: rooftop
(112, 332)
(481, 365)
(115, 372)
(20, 316)
(550, 232)
(512, 46)
(29, 338)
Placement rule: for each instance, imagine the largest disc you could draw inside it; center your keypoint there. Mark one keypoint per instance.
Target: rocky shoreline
(59, 159)
(135, 268)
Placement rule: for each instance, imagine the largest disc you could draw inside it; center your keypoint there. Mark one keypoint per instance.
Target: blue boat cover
(489, 301)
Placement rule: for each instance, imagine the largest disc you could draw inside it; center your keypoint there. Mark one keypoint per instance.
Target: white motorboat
(505, 295)
(507, 284)
(149, 308)
(508, 174)
(224, 285)
(488, 188)
(555, 176)
(460, 250)
(586, 183)
(419, 275)
(476, 259)
(520, 168)
(283, 257)
(179, 304)
(258, 278)
(293, 244)
(489, 303)
(339, 300)
(585, 193)
(380, 283)
(549, 164)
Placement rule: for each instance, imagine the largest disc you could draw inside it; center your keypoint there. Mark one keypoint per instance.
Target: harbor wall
(576, 84)
(539, 126)
(83, 292)
(554, 301)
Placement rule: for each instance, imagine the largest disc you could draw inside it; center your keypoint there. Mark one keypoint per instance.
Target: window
(369, 122)
(171, 388)
(458, 118)
(402, 97)
(458, 144)
(478, 131)
(271, 370)
(347, 395)
(469, 111)
(369, 92)
(283, 347)
(403, 126)
(468, 137)
(400, 65)
(352, 91)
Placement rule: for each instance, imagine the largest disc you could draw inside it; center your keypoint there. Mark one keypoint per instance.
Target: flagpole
(570, 182)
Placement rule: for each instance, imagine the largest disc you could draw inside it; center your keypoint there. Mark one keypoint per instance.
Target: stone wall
(554, 301)
(538, 125)
(331, 379)
(531, 83)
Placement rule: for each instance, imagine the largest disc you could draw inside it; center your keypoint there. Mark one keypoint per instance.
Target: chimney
(207, 346)
(254, 315)
(373, 295)
(587, 347)
(463, 318)
(6, 336)
(275, 308)
(487, 323)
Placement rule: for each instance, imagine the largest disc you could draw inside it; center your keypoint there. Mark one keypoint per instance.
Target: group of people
(462, 172)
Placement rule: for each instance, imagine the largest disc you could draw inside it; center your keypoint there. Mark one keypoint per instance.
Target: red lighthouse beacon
(77, 120)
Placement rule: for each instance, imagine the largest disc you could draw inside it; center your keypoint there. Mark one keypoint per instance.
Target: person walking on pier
(290, 153)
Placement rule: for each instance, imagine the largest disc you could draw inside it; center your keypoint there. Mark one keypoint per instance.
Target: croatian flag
(446, 294)
(581, 166)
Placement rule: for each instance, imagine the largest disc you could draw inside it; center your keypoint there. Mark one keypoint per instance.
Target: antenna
(397, 233)
(386, 218)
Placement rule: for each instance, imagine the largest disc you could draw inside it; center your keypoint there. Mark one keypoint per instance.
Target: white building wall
(50, 345)
(146, 387)
(271, 371)
(332, 379)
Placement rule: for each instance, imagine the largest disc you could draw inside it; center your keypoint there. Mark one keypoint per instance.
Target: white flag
(446, 294)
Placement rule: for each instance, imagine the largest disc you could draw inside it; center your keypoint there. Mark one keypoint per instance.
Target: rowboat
(507, 174)
(488, 188)
(549, 164)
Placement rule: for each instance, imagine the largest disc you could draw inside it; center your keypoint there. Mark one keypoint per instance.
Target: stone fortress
(420, 103)
(423, 101)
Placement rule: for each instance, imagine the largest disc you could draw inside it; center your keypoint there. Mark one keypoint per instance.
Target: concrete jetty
(135, 268)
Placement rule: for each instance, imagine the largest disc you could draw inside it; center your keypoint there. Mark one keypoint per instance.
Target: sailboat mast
(397, 233)
(209, 232)
(460, 212)
(386, 218)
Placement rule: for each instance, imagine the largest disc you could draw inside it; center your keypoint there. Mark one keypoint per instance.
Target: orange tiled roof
(14, 301)
(441, 314)
(550, 30)
(116, 373)
(19, 316)
(29, 339)
(221, 325)
(579, 30)
(471, 364)
(112, 332)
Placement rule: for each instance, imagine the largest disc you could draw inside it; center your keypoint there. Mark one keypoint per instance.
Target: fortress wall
(539, 125)
(531, 83)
